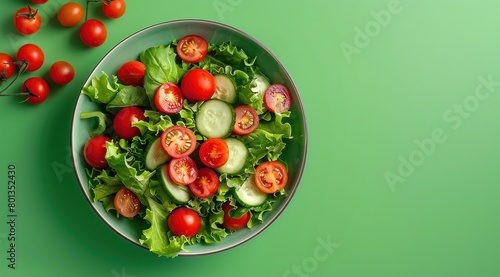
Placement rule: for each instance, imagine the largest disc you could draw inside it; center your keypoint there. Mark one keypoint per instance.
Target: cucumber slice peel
(238, 154)
(249, 195)
(179, 194)
(155, 155)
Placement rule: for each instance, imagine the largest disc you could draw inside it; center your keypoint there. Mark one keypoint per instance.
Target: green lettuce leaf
(101, 90)
(233, 55)
(267, 140)
(161, 67)
(155, 124)
(129, 175)
(102, 121)
(128, 96)
(258, 212)
(156, 236)
(106, 185)
(247, 97)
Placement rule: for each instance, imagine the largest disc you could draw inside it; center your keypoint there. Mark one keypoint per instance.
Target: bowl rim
(84, 186)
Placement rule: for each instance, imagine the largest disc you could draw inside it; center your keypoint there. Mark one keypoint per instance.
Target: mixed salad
(189, 139)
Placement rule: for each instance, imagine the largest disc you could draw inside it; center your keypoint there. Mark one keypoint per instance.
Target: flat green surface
(402, 175)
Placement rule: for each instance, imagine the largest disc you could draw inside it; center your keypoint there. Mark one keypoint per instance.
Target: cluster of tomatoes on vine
(30, 57)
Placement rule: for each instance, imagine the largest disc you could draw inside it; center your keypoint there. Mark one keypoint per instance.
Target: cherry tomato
(246, 121)
(277, 98)
(168, 98)
(32, 54)
(39, 1)
(122, 123)
(184, 222)
(270, 176)
(61, 72)
(7, 67)
(27, 21)
(232, 223)
(93, 33)
(127, 203)
(113, 8)
(94, 152)
(70, 14)
(206, 183)
(214, 152)
(38, 90)
(131, 73)
(182, 171)
(192, 48)
(178, 141)
(198, 85)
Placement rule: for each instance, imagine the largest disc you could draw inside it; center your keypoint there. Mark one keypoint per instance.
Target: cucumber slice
(155, 155)
(249, 195)
(215, 119)
(225, 89)
(238, 154)
(179, 194)
(259, 84)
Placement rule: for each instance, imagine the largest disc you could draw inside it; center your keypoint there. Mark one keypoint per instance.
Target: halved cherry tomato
(32, 54)
(182, 171)
(27, 21)
(70, 14)
(214, 152)
(93, 33)
(127, 203)
(206, 183)
(131, 73)
(198, 85)
(184, 222)
(277, 98)
(62, 72)
(178, 141)
(113, 8)
(168, 98)
(232, 223)
(94, 152)
(7, 67)
(270, 176)
(37, 88)
(192, 48)
(122, 123)
(246, 121)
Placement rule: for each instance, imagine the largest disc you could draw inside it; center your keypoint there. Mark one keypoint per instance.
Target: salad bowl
(294, 154)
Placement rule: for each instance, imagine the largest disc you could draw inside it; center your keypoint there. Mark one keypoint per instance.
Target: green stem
(22, 69)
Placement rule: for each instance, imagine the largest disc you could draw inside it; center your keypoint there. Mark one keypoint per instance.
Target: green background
(368, 111)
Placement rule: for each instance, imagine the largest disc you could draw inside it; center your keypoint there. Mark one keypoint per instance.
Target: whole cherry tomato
(113, 8)
(70, 14)
(62, 72)
(7, 67)
(36, 89)
(93, 33)
(27, 21)
(32, 54)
